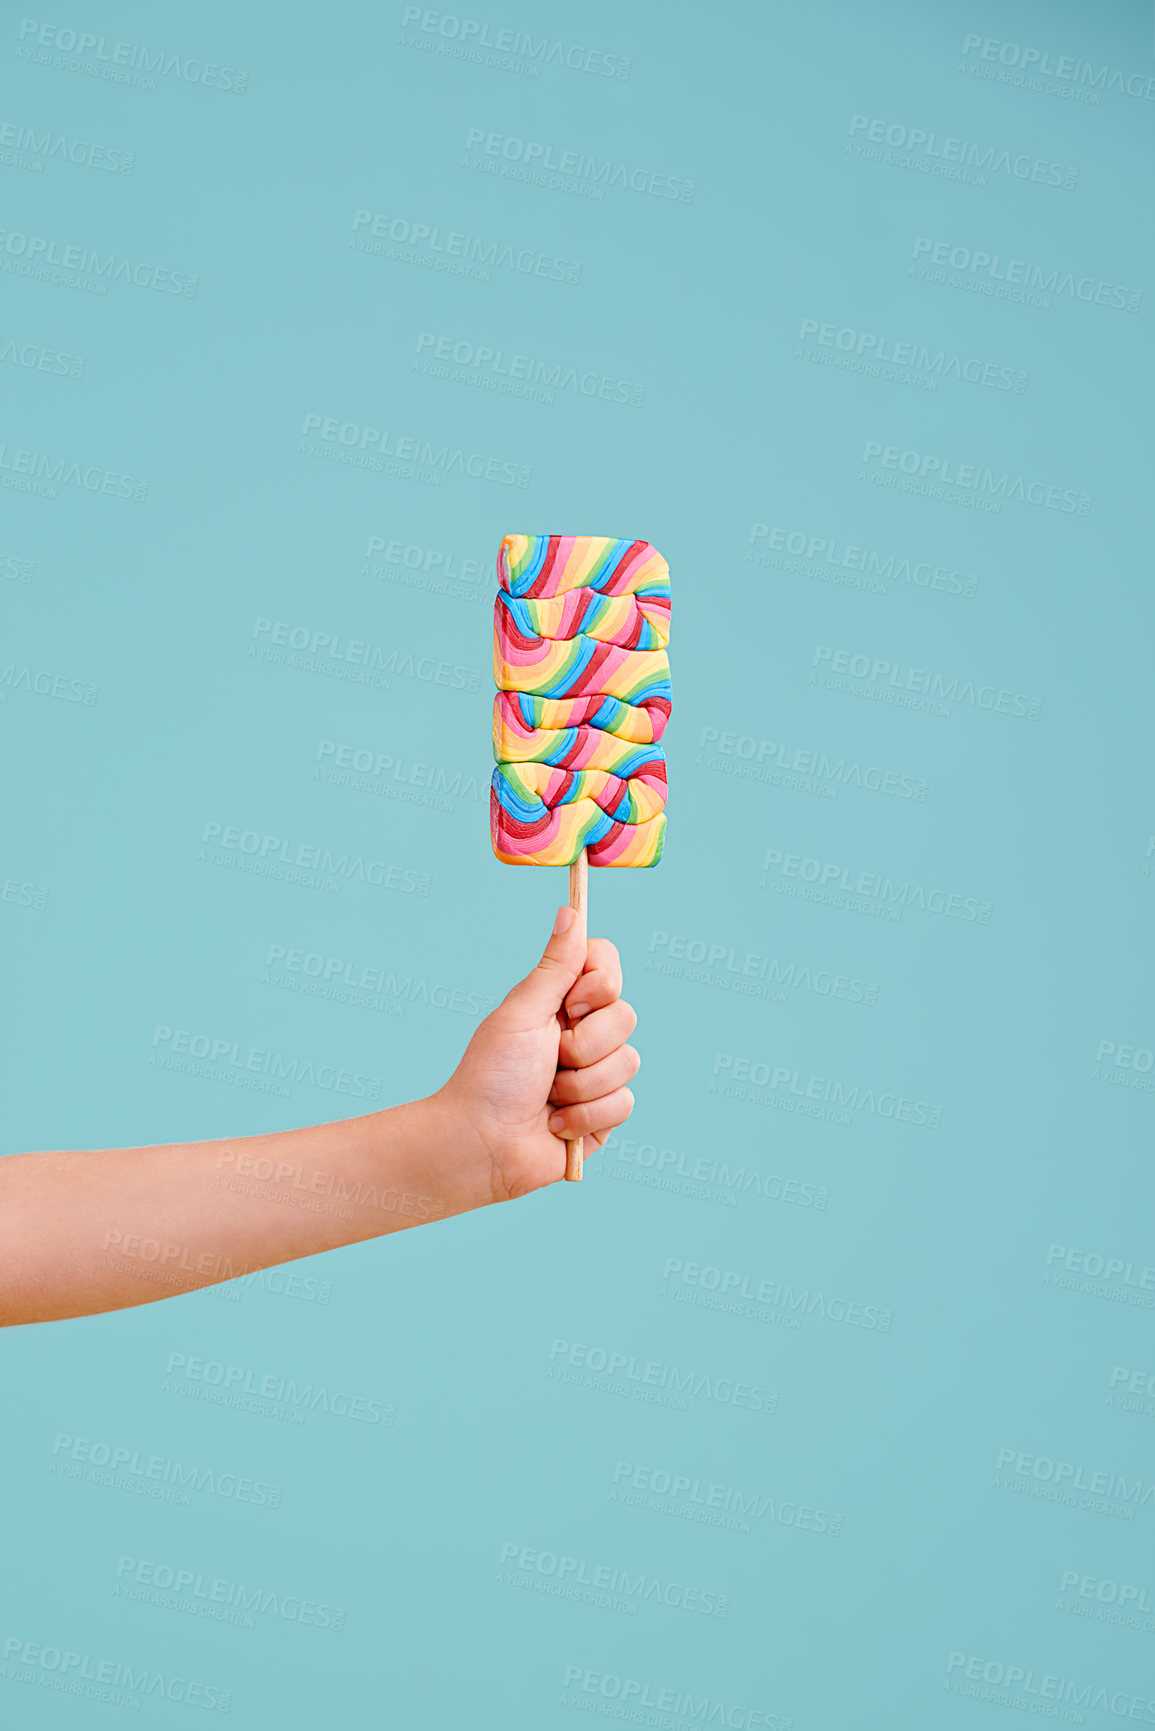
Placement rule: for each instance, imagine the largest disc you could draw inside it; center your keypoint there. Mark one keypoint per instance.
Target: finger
(586, 1120)
(540, 994)
(600, 981)
(570, 1087)
(596, 1036)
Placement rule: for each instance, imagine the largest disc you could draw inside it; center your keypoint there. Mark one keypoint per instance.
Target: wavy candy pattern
(547, 565)
(644, 723)
(624, 619)
(573, 667)
(581, 626)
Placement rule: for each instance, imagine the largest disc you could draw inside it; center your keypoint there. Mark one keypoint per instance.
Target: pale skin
(82, 1233)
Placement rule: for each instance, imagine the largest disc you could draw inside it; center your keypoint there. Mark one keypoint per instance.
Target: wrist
(431, 1161)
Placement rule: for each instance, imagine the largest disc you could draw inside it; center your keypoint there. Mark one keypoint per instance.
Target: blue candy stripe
(600, 576)
(526, 811)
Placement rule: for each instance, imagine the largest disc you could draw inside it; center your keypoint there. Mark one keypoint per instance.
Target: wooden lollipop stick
(578, 876)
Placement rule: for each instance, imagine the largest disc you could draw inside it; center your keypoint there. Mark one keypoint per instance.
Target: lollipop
(580, 629)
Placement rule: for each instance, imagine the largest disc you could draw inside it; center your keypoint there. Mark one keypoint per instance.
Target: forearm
(87, 1232)
(82, 1233)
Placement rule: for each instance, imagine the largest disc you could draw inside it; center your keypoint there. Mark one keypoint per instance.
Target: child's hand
(523, 1082)
(490, 1134)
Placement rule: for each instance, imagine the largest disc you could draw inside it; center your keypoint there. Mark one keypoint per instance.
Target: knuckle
(605, 959)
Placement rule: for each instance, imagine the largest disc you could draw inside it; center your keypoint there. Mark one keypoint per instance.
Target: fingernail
(565, 919)
(556, 1123)
(578, 1010)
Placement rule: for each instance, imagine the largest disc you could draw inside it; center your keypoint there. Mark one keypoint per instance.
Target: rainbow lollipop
(580, 629)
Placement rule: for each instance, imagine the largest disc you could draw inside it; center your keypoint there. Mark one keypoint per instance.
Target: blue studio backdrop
(827, 1399)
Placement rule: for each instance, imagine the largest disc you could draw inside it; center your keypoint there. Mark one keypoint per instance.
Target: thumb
(543, 990)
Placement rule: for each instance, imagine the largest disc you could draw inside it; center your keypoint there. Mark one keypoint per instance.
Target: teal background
(946, 1309)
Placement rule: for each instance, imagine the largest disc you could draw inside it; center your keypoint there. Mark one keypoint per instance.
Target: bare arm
(88, 1232)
